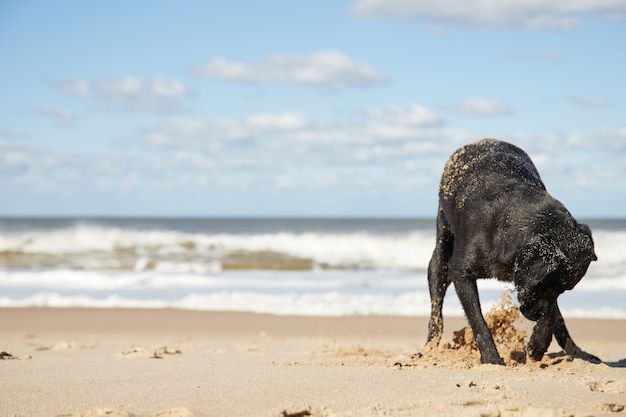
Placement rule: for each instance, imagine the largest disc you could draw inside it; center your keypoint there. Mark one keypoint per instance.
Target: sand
(122, 362)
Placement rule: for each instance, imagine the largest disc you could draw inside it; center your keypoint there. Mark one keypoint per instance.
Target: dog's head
(549, 265)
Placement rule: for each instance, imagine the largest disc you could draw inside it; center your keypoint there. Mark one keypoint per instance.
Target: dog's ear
(534, 261)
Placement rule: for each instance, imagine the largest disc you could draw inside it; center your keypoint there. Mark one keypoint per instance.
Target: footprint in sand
(173, 412)
(6, 356)
(157, 352)
(305, 412)
(66, 345)
(607, 386)
(614, 408)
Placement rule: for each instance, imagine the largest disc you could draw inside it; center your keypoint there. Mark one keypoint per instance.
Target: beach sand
(122, 362)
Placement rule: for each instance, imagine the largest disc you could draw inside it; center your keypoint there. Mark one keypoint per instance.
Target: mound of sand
(462, 351)
(510, 341)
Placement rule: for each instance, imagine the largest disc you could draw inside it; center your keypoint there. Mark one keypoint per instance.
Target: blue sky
(326, 108)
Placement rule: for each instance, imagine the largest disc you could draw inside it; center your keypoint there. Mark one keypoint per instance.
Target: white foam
(92, 246)
(610, 246)
(322, 304)
(236, 280)
(332, 303)
(362, 250)
(277, 292)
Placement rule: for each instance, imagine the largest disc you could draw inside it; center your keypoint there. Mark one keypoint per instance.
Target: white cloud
(23, 160)
(203, 131)
(586, 102)
(65, 118)
(325, 69)
(158, 95)
(285, 182)
(168, 88)
(611, 139)
(200, 157)
(260, 141)
(54, 112)
(537, 14)
(288, 150)
(263, 141)
(555, 144)
(481, 107)
(78, 87)
(287, 121)
(412, 115)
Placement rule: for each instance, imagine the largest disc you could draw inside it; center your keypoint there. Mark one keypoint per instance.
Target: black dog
(496, 220)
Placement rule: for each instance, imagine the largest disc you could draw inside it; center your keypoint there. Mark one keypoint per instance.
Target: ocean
(329, 267)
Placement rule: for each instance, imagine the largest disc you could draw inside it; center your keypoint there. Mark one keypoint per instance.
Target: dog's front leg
(565, 340)
(468, 294)
(542, 336)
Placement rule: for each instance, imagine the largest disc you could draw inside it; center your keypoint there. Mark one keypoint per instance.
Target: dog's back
(485, 169)
(492, 201)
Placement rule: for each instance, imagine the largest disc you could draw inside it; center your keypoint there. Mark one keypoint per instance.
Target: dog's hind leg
(438, 280)
(565, 340)
(466, 289)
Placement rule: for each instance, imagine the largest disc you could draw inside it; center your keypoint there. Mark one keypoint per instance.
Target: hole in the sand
(6, 356)
(302, 413)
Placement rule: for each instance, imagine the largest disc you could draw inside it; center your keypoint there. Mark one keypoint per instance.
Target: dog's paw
(574, 351)
(587, 357)
(492, 361)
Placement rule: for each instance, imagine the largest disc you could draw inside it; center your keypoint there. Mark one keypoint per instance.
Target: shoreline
(84, 362)
(109, 320)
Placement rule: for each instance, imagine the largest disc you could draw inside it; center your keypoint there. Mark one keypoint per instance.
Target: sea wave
(334, 303)
(330, 268)
(94, 247)
(335, 292)
(256, 281)
(324, 304)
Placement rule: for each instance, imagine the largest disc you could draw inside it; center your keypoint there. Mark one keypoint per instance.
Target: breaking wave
(323, 268)
(94, 247)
